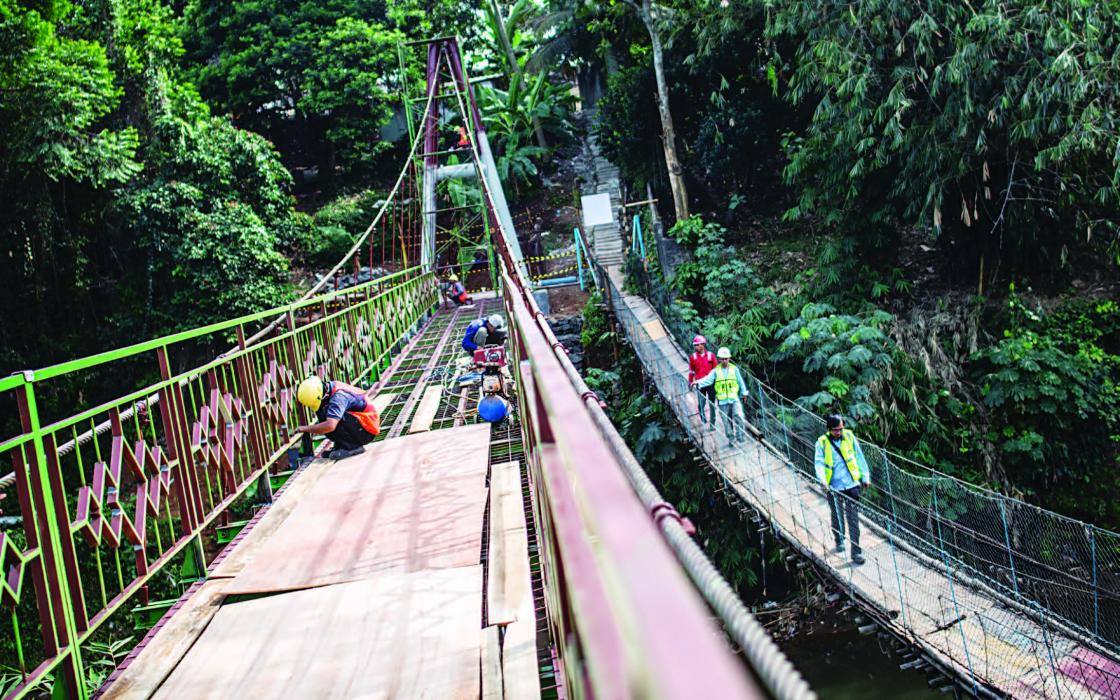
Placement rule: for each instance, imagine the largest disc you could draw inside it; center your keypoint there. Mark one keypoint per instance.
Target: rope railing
(1031, 580)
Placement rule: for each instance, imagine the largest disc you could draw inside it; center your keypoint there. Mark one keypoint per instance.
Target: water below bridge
(841, 664)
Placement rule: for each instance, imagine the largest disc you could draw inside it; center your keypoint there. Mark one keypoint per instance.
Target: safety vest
(368, 417)
(727, 382)
(847, 451)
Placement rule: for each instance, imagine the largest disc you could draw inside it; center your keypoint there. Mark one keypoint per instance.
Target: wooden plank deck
(277, 513)
(410, 503)
(426, 412)
(403, 634)
(158, 659)
(363, 580)
(510, 594)
(491, 664)
(382, 401)
(965, 627)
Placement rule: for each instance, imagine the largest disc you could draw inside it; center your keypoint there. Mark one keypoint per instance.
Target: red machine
(490, 356)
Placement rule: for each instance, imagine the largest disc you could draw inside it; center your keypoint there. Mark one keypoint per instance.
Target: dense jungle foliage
(169, 163)
(908, 214)
(904, 213)
(154, 151)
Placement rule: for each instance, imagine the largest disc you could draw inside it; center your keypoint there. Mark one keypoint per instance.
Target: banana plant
(509, 116)
(505, 34)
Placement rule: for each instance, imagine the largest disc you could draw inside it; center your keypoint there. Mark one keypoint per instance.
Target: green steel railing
(108, 504)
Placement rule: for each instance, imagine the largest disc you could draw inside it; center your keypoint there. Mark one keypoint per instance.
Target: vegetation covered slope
(149, 149)
(909, 215)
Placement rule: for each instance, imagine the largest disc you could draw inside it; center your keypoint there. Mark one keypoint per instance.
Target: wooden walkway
(365, 578)
(961, 624)
(992, 644)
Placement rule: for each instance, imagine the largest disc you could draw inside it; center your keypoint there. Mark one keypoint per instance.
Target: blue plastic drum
(493, 409)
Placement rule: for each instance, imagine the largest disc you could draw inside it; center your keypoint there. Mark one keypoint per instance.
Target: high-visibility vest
(727, 382)
(368, 417)
(847, 451)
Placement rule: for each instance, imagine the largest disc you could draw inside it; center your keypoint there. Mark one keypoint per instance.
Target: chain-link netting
(1021, 599)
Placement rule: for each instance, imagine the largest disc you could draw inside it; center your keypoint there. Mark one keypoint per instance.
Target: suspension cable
(69, 446)
(765, 657)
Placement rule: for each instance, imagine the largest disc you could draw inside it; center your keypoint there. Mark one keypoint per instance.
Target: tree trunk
(503, 37)
(668, 134)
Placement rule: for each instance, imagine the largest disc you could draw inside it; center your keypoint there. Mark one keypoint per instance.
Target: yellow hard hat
(454, 278)
(310, 393)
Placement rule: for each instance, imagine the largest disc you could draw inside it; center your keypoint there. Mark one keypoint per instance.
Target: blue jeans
(734, 420)
(706, 401)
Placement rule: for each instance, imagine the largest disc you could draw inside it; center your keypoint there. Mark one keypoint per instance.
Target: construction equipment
(488, 371)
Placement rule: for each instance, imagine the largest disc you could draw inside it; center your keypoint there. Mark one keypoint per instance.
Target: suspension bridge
(458, 558)
(1013, 600)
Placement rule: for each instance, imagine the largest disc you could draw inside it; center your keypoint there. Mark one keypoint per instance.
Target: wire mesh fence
(1020, 598)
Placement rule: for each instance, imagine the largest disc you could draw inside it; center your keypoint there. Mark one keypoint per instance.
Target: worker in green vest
(842, 469)
(730, 390)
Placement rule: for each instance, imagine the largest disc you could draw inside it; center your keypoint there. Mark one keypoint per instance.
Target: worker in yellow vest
(730, 390)
(842, 469)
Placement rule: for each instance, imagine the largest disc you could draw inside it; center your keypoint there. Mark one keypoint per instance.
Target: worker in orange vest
(345, 413)
(457, 292)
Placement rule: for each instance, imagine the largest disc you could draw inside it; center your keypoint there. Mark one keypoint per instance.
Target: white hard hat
(723, 353)
(497, 322)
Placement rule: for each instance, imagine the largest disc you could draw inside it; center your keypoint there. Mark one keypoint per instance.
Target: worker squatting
(345, 414)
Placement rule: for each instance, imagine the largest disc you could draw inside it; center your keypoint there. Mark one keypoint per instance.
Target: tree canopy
(993, 124)
(318, 76)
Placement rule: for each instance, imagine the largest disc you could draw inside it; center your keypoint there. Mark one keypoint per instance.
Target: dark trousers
(349, 434)
(845, 506)
(709, 406)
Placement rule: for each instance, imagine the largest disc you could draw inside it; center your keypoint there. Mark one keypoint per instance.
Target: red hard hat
(699, 340)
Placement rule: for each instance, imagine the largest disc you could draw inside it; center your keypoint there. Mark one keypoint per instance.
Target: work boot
(340, 453)
(858, 559)
(840, 547)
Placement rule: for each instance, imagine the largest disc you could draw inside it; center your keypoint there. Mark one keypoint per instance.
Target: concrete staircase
(600, 176)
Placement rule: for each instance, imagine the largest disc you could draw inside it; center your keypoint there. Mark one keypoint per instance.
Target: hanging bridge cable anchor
(662, 510)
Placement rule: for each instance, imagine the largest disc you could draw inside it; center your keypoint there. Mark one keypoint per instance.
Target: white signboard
(596, 210)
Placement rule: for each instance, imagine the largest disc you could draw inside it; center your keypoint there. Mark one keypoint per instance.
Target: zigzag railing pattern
(110, 518)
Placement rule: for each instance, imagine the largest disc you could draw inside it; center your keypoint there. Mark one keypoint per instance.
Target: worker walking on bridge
(345, 413)
(700, 364)
(483, 332)
(842, 481)
(730, 390)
